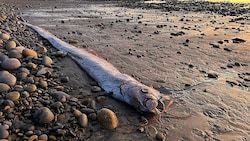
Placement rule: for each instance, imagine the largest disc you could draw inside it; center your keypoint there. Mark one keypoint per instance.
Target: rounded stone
(47, 61)
(13, 96)
(56, 105)
(4, 87)
(31, 65)
(10, 45)
(43, 137)
(83, 120)
(15, 54)
(21, 75)
(3, 57)
(4, 36)
(30, 88)
(77, 113)
(43, 84)
(107, 118)
(20, 48)
(29, 53)
(44, 115)
(4, 134)
(7, 78)
(11, 64)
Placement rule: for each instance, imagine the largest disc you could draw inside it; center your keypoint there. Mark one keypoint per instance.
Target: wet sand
(201, 57)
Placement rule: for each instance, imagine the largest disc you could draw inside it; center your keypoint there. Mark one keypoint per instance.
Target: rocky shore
(35, 103)
(197, 50)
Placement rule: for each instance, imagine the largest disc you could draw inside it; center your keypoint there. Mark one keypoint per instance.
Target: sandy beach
(197, 53)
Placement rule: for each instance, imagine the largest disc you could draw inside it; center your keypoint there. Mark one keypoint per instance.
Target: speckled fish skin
(122, 86)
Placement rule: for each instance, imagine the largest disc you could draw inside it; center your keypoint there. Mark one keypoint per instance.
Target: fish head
(146, 100)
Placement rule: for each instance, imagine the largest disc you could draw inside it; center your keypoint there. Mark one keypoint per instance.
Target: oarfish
(121, 86)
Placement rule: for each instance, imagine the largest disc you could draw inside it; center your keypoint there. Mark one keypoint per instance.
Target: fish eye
(144, 90)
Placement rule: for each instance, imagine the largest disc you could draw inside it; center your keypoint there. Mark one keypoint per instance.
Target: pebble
(47, 61)
(83, 120)
(160, 137)
(64, 79)
(92, 116)
(52, 138)
(56, 105)
(96, 89)
(77, 113)
(43, 137)
(11, 64)
(31, 65)
(44, 115)
(4, 87)
(21, 75)
(7, 78)
(33, 138)
(20, 48)
(4, 134)
(3, 57)
(13, 96)
(100, 98)
(60, 96)
(212, 75)
(43, 84)
(29, 53)
(30, 88)
(152, 131)
(107, 118)
(15, 54)
(4, 36)
(10, 45)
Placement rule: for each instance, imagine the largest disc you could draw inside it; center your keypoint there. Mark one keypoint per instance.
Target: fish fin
(92, 52)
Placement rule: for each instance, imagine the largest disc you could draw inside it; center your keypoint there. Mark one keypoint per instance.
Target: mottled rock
(11, 64)
(13, 95)
(107, 118)
(43, 115)
(7, 78)
(4, 87)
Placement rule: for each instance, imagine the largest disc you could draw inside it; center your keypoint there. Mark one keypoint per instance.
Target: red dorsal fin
(92, 52)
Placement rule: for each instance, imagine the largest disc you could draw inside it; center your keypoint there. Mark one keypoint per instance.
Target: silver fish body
(122, 86)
